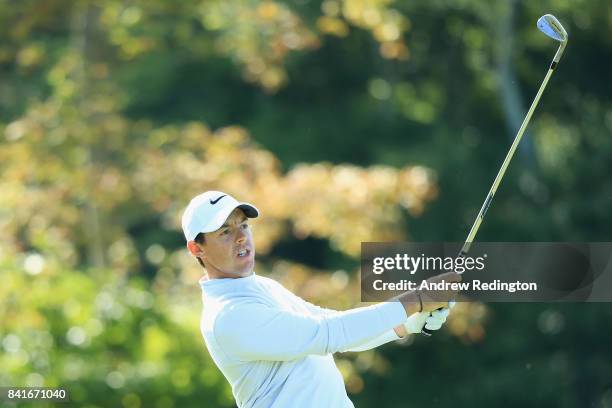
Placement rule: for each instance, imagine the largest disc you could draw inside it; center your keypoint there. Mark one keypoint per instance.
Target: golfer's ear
(194, 248)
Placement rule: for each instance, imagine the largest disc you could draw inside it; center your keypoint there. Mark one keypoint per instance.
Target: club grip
(426, 332)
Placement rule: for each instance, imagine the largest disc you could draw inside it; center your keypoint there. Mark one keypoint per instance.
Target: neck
(216, 274)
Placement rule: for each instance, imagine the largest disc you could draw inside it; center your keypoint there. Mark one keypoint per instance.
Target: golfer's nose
(240, 236)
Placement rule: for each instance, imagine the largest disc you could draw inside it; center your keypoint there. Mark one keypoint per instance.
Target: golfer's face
(230, 249)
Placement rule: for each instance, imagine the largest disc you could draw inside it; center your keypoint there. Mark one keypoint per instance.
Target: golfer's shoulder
(270, 283)
(240, 313)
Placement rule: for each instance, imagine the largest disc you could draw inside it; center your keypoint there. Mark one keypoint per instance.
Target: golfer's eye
(225, 231)
(244, 226)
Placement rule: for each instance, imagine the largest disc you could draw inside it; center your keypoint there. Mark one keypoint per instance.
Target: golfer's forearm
(400, 331)
(386, 337)
(411, 303)
(355, 327)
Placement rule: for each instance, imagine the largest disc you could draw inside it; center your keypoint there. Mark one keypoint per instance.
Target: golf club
(550, 26)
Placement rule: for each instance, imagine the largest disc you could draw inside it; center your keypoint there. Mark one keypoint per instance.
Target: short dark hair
(200, 240)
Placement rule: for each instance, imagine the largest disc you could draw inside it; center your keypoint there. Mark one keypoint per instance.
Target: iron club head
(550, 26)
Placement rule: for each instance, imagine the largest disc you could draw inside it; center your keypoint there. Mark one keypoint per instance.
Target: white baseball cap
(208, 211)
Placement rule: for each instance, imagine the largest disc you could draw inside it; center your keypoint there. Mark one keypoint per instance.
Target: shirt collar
(207, 284)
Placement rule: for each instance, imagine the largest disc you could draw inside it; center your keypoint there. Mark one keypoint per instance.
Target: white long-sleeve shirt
(275, 349)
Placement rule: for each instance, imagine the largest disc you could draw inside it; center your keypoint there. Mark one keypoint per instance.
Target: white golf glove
(431, 321)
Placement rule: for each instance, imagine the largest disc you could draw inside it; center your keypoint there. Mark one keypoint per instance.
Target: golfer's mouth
(243, 253)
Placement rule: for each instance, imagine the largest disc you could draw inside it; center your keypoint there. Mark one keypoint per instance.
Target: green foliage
(110, 341)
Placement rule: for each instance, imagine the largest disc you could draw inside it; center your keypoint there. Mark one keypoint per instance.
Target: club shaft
(500, 174)
(504, 166)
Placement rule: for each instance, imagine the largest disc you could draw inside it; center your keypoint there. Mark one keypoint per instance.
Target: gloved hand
(431, 321)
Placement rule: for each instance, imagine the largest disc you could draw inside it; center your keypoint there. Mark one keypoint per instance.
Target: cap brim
(249, 210)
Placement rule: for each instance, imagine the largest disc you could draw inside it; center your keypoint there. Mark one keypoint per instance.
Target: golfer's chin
(245, 266)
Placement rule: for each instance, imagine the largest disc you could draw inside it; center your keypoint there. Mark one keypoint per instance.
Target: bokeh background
(343, 121)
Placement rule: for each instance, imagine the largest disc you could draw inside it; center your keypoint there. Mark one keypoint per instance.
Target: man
(274, 348)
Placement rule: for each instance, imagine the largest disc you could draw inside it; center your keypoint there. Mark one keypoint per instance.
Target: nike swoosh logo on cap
(213, 202)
